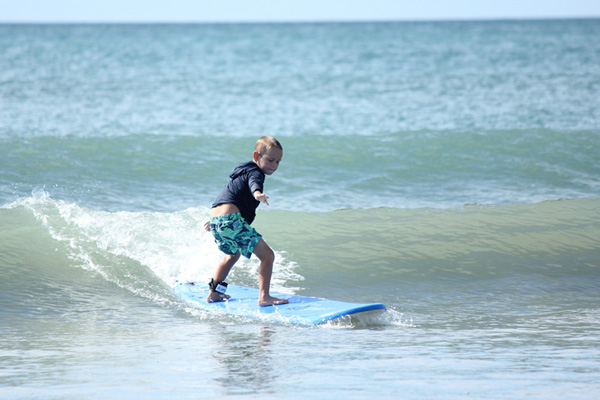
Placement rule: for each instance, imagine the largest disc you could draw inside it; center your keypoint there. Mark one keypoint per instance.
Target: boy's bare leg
(220, 275)
(266, 257)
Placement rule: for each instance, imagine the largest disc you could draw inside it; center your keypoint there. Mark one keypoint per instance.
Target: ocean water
(447, 169)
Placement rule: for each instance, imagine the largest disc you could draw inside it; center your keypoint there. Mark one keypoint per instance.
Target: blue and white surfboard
(301, 310)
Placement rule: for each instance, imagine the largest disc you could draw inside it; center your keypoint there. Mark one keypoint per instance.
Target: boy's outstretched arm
(258, 195)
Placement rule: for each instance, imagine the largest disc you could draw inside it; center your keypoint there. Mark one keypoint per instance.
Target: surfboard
(301, 310)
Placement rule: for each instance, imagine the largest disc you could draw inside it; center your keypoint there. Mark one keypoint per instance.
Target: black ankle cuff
(219, 287)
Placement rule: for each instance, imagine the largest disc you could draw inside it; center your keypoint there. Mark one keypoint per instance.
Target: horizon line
(299, 21)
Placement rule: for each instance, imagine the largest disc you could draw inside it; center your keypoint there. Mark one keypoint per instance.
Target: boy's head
(267, 154)
(266, 143)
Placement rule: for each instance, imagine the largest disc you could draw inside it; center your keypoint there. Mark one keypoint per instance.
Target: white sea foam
(174, 246)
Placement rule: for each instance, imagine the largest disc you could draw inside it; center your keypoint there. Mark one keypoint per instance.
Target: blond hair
(266, 143)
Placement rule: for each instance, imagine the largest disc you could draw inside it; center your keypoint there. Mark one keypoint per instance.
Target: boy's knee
(271, 255)
(233, 257)
(266, 254)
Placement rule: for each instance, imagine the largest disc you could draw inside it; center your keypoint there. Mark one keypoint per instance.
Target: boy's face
(269, 161)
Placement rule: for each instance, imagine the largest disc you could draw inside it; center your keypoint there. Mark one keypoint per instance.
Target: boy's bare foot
(215, 297)
(271, 301)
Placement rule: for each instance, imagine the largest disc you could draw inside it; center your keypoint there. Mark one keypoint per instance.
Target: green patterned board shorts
(233, 234)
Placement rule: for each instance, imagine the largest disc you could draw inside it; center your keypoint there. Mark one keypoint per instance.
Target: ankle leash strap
(220, 287)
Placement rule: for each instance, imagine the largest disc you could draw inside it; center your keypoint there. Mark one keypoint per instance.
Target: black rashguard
(245, 180)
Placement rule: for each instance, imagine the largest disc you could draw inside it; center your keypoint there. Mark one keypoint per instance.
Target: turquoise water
(446, 169)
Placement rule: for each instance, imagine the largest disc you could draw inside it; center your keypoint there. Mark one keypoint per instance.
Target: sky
(288, 10)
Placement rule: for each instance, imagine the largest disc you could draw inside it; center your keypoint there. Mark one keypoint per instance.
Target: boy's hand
(261, 197)
(207, 226)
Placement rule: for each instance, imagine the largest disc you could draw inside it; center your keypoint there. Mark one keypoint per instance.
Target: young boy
(231, 216)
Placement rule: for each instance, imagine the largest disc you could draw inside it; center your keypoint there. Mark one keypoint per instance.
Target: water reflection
(246, 353)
